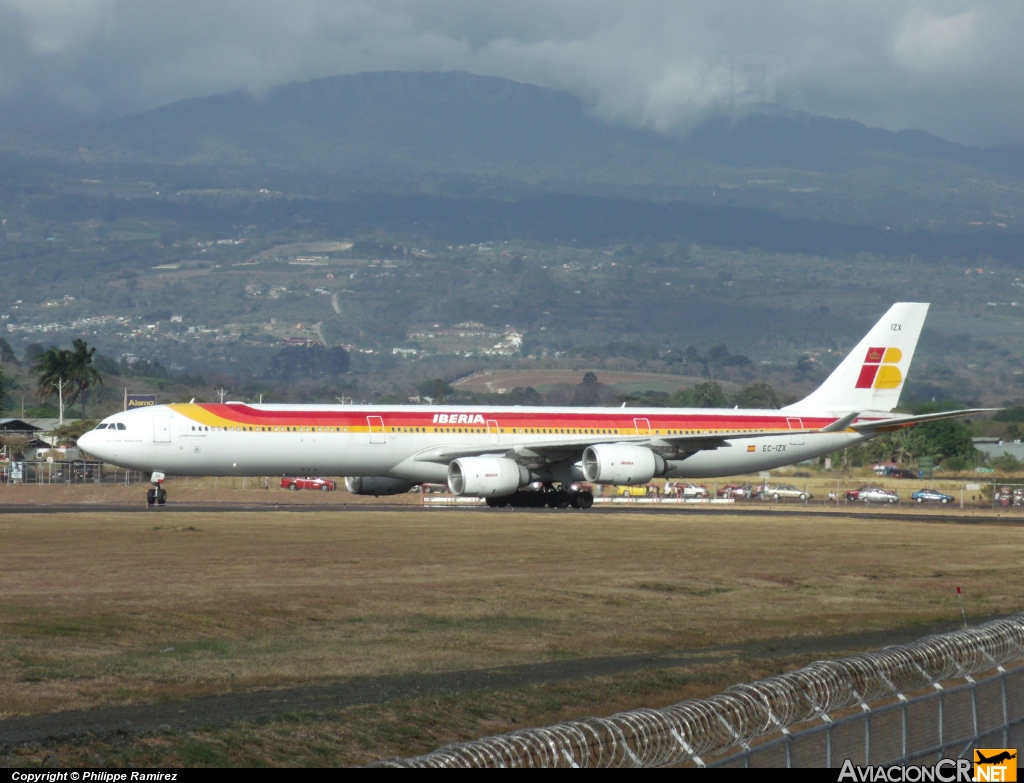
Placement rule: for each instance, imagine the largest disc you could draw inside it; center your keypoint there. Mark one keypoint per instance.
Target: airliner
(497, 453)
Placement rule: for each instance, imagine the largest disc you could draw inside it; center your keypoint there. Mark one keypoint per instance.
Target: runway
(964, 517)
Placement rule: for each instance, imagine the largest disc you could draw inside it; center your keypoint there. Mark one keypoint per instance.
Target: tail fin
(871, 376)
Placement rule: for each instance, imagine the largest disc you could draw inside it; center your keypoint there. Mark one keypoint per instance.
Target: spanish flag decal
(879, 370)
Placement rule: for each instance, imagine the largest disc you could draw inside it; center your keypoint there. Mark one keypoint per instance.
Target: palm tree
(83, 374)
(53, 366)
(72, 371)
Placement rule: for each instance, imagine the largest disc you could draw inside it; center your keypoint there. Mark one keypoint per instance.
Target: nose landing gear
(156, 495)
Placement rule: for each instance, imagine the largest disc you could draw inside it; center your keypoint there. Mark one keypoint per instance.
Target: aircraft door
(797, 438)
(643, 426)
(376, 426)
(492, 431)
(161, 428)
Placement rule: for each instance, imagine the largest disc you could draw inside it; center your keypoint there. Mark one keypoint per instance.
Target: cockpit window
(101, 426)
(120, 426)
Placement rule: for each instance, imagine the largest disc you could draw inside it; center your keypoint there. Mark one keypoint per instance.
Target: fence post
(942, 722)
(828, 740)
(867, 733)
(1006, 711)
(903, 726)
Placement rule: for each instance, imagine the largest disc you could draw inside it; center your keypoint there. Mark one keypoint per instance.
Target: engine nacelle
(484, 477)
(618, 463)
(376, 485)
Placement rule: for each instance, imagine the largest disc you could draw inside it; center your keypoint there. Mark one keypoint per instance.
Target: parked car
(892, 471)
(735, 491)
(685, 490)
(854, 494)
(931, 496)
(781, 491)
(308, 482)
(1005, 496)
(878, 495)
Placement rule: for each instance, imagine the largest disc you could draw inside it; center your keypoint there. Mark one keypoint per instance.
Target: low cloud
(947, 67)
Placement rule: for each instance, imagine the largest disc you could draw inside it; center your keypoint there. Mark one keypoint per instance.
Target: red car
(734, 491)
(308, 482)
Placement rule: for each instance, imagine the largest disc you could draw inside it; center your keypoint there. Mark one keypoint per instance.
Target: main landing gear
(548, 496)
(156, 495)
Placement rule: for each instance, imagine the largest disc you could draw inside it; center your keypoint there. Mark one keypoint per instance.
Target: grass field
(543, 380)
(98, 610)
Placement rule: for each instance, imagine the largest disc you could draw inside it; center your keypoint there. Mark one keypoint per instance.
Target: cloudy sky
(953, 68)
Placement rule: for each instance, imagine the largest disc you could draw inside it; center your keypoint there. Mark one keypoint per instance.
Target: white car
(878, 495)
(781, 491)
(680, 488)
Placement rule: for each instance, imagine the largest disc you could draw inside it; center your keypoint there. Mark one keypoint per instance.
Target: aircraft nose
(88, 442)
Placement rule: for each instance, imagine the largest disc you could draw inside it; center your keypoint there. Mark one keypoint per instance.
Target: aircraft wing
(668, 446)
(901, 422)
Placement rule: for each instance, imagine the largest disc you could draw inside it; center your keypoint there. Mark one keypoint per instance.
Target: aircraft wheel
(150, 497)
(502, 501)
(537, 499)
(161, 496)
(559, 499)
(492, 502)
(585, 499)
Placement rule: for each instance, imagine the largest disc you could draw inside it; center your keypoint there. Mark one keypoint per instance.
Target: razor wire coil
(694, 728)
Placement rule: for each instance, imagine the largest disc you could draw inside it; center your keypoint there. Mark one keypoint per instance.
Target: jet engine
(486, 476)
(376, 485)
(618, 463)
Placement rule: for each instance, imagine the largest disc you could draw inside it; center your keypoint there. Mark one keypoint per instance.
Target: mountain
(460, 123)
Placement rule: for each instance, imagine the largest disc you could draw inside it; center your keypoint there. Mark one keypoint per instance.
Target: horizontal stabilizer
(900, 422)
(839, 425)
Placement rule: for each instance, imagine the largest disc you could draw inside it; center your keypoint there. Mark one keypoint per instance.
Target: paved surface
(966, 516)
(329, 697)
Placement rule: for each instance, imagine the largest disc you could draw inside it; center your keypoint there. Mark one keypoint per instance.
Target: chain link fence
(797, 718)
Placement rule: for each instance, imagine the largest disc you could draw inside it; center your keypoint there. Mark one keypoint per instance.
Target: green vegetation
(68, 373)
(754, 253)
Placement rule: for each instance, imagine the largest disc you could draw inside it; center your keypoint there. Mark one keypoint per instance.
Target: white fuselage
(244, 440)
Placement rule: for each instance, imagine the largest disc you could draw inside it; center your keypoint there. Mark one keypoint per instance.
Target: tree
(759, 395)
(53, 368)
(308, 361)
(33, 352)
(436, 389)
(3, 391)
(71, 371)
(7, 353)
(83, 373)
(703, 395)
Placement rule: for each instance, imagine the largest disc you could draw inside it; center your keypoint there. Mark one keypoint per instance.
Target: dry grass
(509, 379)
(364, 734)
(114, 609)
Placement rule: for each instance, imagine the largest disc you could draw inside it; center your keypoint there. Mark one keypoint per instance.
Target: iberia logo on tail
(879, 370)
